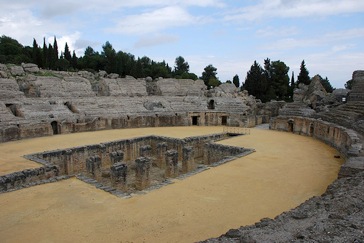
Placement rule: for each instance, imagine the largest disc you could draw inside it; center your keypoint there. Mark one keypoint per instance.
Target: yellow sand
(285, 171)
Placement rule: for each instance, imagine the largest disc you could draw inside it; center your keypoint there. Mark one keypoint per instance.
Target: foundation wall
(164, 157)
(341, 138)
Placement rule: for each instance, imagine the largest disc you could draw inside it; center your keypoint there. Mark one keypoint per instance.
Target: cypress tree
(51, 59)
(67, 53)
(303, 75)
(45, 54)
(55, 50)
(236, 81)
(74, 60)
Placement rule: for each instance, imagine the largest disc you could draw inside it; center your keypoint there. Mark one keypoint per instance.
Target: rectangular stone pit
(131, 165)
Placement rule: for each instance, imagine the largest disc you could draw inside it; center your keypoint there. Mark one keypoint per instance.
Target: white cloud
(154, 21)
(71, 42)
(295, 8)
(333, 39)
(154, 40)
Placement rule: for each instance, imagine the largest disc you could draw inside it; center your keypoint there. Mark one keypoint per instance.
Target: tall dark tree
(280, 79)
(349, 84)
(74, 60)
(37, 55)
(303, 75)
(67, 53)
(51, 59)
(236, 81)
(326, 84)
(256, 82)
(45, 54)
(181, 66)
(110, 57)
(291, 88)
(55, 49)
(209, 76)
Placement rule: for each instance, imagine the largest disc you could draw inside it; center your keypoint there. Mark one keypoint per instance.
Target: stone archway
(55, 129)
(290, 126)
(312, 129)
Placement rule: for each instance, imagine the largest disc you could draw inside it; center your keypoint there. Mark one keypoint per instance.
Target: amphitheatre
(101, 158)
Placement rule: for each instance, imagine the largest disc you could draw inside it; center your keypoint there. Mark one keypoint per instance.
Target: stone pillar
(145, 151)
(171, 163)
(93, 165)
(102, 154)
(188, 161)
(68, 168)
(142, 171)
(161, 155)
(206, 154)
(118, 172)
(116, 157)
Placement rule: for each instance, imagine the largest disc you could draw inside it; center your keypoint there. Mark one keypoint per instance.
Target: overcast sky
(229, 34)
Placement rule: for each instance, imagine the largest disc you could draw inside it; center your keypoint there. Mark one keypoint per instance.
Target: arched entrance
(312, 130)
(211, 105)
(54, 125)
(290, 126)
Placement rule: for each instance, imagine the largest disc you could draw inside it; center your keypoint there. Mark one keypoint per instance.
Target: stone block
(142, 173)
(171, 163)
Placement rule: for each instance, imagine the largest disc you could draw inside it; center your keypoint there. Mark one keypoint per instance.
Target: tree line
(50, 56)
(267, 82)
(272, 80)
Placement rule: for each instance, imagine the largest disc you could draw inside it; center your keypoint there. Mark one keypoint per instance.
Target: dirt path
(286, 170)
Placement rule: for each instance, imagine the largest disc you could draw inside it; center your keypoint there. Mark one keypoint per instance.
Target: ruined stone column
(171, 163)
(68, 165)
(161, 155)
(102, 154)
(118, 172)
(188, 161)
(145, 151)
(142, 172)
(93, 166)
(116, 157)
(206, 154)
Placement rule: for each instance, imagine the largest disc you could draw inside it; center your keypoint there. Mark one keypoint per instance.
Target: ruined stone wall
(127, 165)
(345, 140)
(36, 102)
(28, 177)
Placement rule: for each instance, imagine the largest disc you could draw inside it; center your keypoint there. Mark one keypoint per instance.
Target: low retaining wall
(29, 177)
(347, 141)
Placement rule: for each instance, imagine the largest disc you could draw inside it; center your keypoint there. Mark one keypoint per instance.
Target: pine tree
(303, 75)
(256, 82)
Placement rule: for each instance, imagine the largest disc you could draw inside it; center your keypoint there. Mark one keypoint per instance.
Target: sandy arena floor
(285, 170)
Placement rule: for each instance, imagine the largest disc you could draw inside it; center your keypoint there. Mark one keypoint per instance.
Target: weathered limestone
(116, 157)
(188, 162)
(145, 151)
(93, 165)
(118, 173)
(152, 158)
(357, 91)
(161, 154)
(30, 67)
(142, 173)
(172, 163)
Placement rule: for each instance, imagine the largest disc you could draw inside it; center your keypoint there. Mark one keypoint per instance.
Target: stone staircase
(296, 109)
(349, 115)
